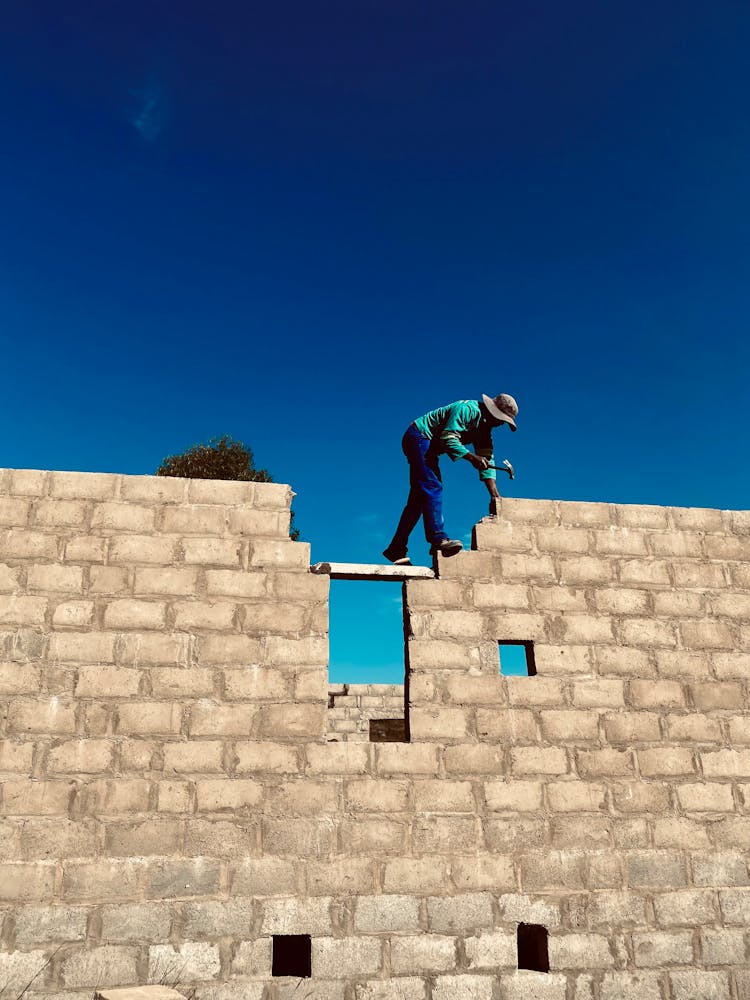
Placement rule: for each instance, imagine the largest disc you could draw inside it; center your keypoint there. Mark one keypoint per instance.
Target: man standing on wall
(447, 430)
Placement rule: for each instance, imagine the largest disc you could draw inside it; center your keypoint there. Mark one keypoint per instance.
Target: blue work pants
(425, 493)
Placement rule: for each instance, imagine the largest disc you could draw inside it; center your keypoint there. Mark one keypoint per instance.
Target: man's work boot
(398, 559)
(448, 547)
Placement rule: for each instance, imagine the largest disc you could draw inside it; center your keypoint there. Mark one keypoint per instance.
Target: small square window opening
(533, 952)
(517, 659)
(292, 955)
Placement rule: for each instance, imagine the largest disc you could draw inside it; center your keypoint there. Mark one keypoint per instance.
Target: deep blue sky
(306, 224)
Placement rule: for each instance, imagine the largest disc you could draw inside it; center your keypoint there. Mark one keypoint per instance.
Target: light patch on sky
(149, 115)
(372, 523)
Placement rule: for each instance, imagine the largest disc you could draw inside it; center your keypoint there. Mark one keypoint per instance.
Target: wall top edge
(115, 486)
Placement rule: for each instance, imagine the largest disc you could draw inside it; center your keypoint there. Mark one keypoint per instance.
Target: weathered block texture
(175, 790)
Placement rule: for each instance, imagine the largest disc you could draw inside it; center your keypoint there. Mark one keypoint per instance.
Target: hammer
(505, 467)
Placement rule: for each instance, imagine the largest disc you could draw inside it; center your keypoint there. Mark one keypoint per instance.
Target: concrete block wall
(170, 800)
(616, 782)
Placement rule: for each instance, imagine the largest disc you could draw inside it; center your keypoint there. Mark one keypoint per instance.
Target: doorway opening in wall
(368, 675)
(516, 658)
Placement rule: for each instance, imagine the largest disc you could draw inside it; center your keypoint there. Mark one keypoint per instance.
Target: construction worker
(447, 430)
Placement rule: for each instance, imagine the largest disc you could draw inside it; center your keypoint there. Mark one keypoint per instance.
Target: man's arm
(480, 463)
(494, 493)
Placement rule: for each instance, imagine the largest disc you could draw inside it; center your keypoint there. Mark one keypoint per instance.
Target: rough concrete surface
(174, 793)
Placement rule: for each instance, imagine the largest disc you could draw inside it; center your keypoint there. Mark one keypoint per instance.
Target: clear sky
(306, 224)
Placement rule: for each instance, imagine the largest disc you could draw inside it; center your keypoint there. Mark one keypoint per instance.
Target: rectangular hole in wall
(292, 955)
(533, 951)
(368, 679)
(517, 658)
(387, 730)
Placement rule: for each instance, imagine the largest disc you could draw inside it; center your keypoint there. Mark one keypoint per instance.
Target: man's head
(503, 409)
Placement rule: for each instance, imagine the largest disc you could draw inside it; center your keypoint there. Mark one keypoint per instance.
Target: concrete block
(136, 922)
(513, 796)
(291, 721)
(461, 914)
(19, 678)
(236, 583)
(423, 953)
(386, 914)
(143, 717)
(696, 985)
(371, 836)
(207, 718)
(268, 876)
(483, 871)
(535, 569)
(211, 551)
(648, 632)
(122, 517)
(359, 956)
(91, 967)
(279, 553)
(725, 947)
(616, 908)
(706, 635)
(253, 958)
(632, 727)
(577, 725)
(182, 878)
(19, 968)
(655, 949)
(342, 876)
(448, 724)
(576, 796)
(630, 986)
(685, 908)
(721, 696)
(193, 961)
(656, 869)
(620, 541)
(585, 571)
(262, 757)
(504, 536)
(142, 549)
(402, 988)
(705, 797)
(26, 482)
(463, 987)
(306, 837)
(415, 875)
(203, 615)
(164, 580)
(580, 951)
(524, 985)
(302, 797)
(721, 869)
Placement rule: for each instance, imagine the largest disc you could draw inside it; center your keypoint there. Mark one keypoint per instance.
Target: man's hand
(477, 461)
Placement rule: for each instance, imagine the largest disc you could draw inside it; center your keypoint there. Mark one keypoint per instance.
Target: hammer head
(509, 467)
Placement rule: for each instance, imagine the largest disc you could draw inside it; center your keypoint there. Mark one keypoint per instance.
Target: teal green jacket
(456, 425)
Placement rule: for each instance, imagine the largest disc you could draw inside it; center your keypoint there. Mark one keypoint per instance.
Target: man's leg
(431, 488)
(413, 509)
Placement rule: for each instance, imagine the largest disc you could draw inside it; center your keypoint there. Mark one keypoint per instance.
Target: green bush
(220, 458)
